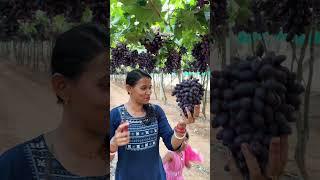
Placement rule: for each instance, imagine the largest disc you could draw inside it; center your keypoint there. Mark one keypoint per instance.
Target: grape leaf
(148, 13)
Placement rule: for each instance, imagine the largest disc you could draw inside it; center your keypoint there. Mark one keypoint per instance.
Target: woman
(136, 128)
(74, 150)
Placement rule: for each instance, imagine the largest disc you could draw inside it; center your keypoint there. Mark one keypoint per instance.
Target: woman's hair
(77, 47)
(135, 75)
(132, 79)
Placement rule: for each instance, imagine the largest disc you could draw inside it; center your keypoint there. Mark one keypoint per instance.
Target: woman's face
(141, 92)
(90, 96)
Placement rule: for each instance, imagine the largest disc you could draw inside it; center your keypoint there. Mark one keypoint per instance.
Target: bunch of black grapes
(146, 61)
(153, 45)
(201, 54)
(292, 17)
(316, 9)
(253, 100)
(219, 15)
(295, 15)
(262, 19)
(11, 12)
(173, 62)
(188, 93)
(120, 55)
(299, 16)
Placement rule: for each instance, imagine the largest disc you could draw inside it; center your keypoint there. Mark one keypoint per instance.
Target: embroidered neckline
(39, 156)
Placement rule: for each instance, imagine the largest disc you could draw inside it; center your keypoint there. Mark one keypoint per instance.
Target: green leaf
(178, 4)
(189, 38)
(201, 17)
(142, 3)
(243, 15)
(243, 3)
(60, 24)
(233, 9)
(144, 14)
(191, 2)
(188, 20)
(133, 38)
(87, 15)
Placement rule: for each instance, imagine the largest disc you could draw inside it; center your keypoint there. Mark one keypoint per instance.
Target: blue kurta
(140, 159)
(30, 160)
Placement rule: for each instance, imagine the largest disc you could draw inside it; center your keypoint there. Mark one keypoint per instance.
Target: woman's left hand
(191, 118)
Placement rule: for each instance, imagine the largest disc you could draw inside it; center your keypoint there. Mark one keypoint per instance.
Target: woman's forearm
(178, 136)
(113, 149)
(176, 143)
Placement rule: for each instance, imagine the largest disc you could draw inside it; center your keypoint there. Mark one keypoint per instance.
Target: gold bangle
(180, 138)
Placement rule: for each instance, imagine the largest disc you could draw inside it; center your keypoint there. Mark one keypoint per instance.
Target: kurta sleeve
(114, 121)
(165, 130)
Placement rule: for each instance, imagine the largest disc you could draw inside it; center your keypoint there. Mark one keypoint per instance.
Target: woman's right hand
(278, 156)
(120, 138)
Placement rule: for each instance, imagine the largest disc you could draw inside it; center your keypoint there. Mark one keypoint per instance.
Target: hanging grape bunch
(134, 59)
(25, 10)
(146, 61)
(316, 9)
(120, 55)
(201, 54)
(188, 93)
(299, 17)
(254, 100)
(219, 16)
(293, 16)
(173, 62)
(153, 45)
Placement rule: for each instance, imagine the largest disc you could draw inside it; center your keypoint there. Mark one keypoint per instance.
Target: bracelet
(180, 138)
(180, 128)
(180, 131)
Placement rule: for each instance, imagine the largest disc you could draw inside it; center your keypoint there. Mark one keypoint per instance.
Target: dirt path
(199, 132)
(27, 105)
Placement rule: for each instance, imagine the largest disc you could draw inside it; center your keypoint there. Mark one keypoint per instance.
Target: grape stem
(294, 55)
(263, 42)
(252, 44)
